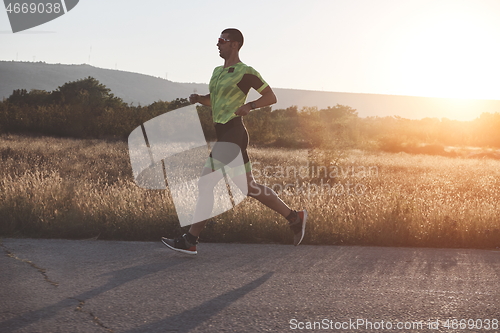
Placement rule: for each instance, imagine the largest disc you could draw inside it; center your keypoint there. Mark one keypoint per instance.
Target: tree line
(88, 109)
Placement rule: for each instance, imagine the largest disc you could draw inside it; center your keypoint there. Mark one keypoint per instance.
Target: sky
(435, 48)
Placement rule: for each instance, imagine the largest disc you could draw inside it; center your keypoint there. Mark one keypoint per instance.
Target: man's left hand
(243, 110)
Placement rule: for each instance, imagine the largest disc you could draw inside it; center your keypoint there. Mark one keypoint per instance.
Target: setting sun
(450, 52)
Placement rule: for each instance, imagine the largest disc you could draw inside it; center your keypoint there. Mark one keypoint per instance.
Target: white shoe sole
(303, 228)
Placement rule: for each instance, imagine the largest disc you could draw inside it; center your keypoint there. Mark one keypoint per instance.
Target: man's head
(234, 35)
(230, 42)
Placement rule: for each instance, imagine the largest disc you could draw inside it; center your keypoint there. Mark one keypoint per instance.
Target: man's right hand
(194, 98)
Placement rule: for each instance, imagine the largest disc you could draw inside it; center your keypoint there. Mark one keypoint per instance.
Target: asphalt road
(109, 286)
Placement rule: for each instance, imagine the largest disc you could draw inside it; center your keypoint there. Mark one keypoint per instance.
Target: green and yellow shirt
(229, 88)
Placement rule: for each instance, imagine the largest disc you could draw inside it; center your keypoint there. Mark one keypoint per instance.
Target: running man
(229, 87)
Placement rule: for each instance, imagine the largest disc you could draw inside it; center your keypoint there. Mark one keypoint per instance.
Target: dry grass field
(66, 188)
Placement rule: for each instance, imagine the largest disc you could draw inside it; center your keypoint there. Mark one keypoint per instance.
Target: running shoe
(180, 244)
(299, 227)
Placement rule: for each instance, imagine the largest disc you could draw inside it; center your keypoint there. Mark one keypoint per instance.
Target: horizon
(365, 104)
(206, 83)
(443, 49)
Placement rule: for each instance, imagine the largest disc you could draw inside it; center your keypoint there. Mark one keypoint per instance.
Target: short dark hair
(234, 35)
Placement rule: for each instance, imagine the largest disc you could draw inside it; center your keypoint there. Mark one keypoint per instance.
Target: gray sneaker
(180, 244)
(299, 227)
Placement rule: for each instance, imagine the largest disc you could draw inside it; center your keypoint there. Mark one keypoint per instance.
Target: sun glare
(450, 52)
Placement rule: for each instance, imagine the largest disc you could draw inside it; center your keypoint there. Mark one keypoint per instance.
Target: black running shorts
(233, 131)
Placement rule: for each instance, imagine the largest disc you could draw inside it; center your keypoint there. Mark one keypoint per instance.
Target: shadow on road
(117, 279)
(189, 319)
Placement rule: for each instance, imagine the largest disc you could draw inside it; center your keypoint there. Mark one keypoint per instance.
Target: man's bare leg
(296, 220)
(205, 200)
(266, 196)
(197, 228)
(260, 192)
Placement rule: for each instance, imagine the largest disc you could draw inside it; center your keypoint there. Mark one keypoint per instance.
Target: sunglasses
(223, 40)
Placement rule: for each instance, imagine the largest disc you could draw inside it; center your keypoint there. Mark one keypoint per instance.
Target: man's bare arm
(268, 98)
(202, 99)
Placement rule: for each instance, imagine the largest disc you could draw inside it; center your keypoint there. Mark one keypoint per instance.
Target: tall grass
(69, 188)
(66, 188)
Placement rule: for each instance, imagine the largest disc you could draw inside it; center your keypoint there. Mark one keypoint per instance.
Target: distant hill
(131, 87)
(145, 89)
